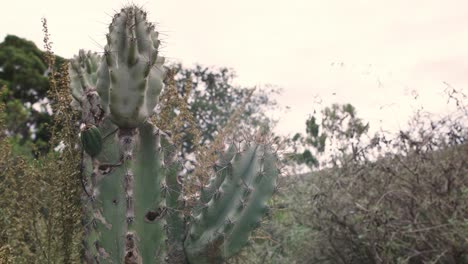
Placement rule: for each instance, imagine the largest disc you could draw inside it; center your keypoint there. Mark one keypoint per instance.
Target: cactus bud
(91, 140)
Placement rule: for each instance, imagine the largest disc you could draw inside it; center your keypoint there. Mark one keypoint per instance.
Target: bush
(409, 206)
(402, 200)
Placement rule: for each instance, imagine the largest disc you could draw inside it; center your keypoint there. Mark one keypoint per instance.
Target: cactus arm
(223, 168)
(145, 195)
(223, 226)
(105, 222)
(227, 196)
(255, 204)
(155, 80)
(83, 75)
(103, 83)
(83, 72)
(172, 191)
(109, 214)
(135, 68)
(77, 89)
(104, 208)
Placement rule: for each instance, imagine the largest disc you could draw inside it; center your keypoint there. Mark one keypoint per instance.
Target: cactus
(134, 209)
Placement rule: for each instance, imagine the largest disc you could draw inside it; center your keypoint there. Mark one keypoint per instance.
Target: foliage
(213, 99)
(402, 201)
(39, 197)
(23, 68)
(398, 200)
(339, 124)
(24, 72)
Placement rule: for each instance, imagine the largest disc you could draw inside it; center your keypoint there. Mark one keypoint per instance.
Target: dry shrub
(40, 198)
(404, 200)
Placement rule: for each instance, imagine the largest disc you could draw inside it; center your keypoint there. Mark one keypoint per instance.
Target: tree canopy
(339, 125)
(23, 74)
(214, 98)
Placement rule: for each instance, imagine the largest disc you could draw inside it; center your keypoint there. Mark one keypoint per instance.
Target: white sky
(378, 55)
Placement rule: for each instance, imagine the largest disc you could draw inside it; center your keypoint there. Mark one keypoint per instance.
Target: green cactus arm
(246, 220)
(83, 73)
(175, 224)
(76, 85)
(87, 220)
(227, 197)
(135, 69)
(223, 226)
(105, 221)
(223, 167)
(146, 207)
(103, 83)
(127, 206)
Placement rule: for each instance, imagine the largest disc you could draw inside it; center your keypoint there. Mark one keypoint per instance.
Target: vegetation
(29, 231)
(89, 194)
(39, 198)
(23, 75)
(401, 200)
(213, 99)
(134, 198)
(339, 127)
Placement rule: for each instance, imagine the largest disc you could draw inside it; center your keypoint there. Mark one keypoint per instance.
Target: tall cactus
(134, 210)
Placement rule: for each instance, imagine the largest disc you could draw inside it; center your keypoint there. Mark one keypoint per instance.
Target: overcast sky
(388, 58)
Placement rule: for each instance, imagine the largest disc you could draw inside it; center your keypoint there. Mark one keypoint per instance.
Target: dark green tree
(339, 128)
(23, 71)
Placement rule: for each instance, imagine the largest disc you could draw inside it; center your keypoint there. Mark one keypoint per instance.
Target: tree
(23, 71)
(339, 128)
(213, 99)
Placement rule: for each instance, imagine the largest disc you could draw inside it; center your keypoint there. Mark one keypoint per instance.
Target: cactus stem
(135, 212)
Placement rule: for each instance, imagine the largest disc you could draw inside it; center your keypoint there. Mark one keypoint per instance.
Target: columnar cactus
(134, 211)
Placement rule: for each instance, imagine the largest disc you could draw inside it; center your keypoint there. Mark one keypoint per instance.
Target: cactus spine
(134, 211)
